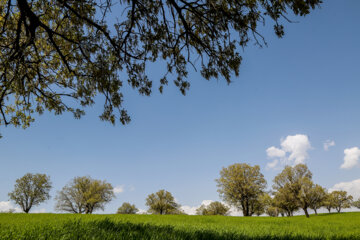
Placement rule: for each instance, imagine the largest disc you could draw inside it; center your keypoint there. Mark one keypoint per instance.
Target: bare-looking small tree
(84, 195)
(55, 50)
(31, 190)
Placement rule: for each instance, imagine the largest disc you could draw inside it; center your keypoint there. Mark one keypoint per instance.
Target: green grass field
(70, 226)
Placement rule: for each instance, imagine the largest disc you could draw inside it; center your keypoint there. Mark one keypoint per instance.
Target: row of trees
(240, 185)
(243, 186)
(81, 195)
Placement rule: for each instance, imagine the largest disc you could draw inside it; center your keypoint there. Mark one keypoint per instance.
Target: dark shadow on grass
(107, 229)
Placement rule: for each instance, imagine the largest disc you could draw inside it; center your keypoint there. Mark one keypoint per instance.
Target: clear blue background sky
(306, 83)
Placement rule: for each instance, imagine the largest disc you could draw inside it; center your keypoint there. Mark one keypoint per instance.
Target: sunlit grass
(70, 226)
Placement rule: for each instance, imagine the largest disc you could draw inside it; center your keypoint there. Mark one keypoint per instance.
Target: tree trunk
(245, 212)
(315, 211)
(338, 209)
(306, 212)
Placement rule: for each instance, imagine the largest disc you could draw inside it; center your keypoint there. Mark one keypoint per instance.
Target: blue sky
(304, 84)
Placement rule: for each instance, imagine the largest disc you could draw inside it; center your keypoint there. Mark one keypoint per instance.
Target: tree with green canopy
(341, 200)
(84, 195)
(59, 55)
(296, 181)
(357, 203)
(31, 190)
(241, 185)
(214, 208)
(317, 197)
(127, 208)
(264, 202)
(286, 201)
(329, 202)
(162, 202)
(272, 211)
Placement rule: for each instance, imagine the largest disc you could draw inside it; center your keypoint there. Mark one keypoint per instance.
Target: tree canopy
(285, 200)
(84, 195)
(317, 197)
(241, 186)
(162, 202)
(31, 190)
(357, 203)
(127, 208)
(214, 208)
(340, 200)
(295, 182)
(59, 55)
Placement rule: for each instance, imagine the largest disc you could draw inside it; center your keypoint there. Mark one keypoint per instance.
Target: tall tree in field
(317, 197)
(304, 196)
(241, 185)
(214, 208)
(56, 50)
(162, 202)
(84, 195)
(31, 190)
(127, 208)
(296, 181)
(341, 200)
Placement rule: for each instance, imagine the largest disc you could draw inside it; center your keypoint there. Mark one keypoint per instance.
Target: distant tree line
(240, 186)
(243, 187)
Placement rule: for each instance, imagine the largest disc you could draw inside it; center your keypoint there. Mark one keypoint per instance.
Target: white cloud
(142, 211)
(273, 152)
(206, 202)
(191, 210)
(5, 206)
(41, 210)
(328, 144)
(352, 188)
(351, 157)
(294, 150)
(272, 164)
(297, 145)
(118, 189)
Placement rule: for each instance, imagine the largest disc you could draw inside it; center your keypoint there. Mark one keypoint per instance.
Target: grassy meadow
(71, 226)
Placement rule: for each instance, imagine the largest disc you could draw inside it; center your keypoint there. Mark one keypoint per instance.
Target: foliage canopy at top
(51, 50)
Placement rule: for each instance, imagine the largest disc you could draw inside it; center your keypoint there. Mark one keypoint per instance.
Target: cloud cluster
(328, 144)
(293, 150)
(6, 206)
(118, 189)
(191, 210)
(351, 158)
(352, 188)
